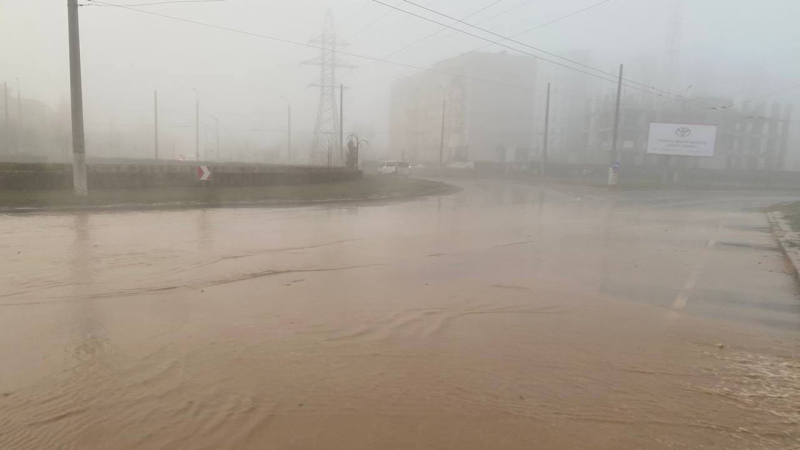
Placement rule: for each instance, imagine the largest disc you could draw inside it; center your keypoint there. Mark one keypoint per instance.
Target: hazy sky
(728, 47)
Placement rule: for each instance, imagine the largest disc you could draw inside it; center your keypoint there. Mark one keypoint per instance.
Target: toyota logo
(683, 132)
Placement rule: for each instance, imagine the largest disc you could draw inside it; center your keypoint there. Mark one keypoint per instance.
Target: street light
(441, 139)
(289, 130)
(217, 120)
(197, 125)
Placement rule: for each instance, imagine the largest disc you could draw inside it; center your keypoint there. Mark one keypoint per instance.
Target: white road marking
(683, 296)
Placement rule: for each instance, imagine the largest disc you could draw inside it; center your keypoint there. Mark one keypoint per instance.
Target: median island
(371, 187)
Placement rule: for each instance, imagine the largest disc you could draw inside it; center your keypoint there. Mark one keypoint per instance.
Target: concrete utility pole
(289, 130)
(441, 137)
(613, 171)
(546, 132)
(341, 123)
(7, 128)
(196, 125)
(112, 147)
(155, 108)
(19, 117)
(76, 97)
(289, 133)
(217, 134)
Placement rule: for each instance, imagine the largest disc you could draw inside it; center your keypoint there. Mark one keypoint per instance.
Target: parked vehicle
(395, 168)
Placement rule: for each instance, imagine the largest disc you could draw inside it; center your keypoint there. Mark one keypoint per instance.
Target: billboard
(681, 139)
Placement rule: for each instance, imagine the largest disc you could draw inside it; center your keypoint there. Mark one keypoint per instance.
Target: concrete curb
(446, 190)
(789, 240)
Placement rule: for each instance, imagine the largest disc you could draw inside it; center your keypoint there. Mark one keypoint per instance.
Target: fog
(728, 49)
(549, 224)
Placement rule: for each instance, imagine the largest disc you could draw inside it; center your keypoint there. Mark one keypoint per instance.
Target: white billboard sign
(681, 139)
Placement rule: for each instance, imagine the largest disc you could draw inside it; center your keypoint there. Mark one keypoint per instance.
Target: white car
(395, 168)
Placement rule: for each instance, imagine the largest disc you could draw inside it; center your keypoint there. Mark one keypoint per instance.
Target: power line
(506, 11)
(308, 45)
(411, 66)
(559, 19)
(436, 32)
(523, 32)
(369, 25)
(354, 13)
(771, 119)
(526, 45)
(166, 2)
(526, 53)
(779, 91)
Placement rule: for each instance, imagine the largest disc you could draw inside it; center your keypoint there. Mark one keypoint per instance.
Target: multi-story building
(755, 137)
(485, 100)
(572, 93)
(494, 109)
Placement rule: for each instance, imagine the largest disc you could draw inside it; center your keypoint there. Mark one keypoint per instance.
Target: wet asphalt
(358, 325)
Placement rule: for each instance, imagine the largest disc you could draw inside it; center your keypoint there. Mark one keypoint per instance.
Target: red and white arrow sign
(203, 173)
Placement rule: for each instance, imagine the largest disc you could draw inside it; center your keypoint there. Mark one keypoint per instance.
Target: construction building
(486, 102)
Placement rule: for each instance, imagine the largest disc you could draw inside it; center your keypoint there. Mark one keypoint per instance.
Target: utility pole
(441, 138)
(341, 123)
(196, 125)
(289, 130)
(111, 144)
(289, 133)
(216, 119)
(546, 132)
(613, 171)
(197, 130)
(19, 116)
(155, 107)
(76, 97)
(7, 129)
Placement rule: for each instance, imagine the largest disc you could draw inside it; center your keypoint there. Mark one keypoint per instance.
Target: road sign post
(613, 174)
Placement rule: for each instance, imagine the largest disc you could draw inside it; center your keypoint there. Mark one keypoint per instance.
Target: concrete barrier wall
(16, 176)
(642, 176)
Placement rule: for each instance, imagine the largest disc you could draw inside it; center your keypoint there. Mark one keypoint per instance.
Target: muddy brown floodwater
(507, 316)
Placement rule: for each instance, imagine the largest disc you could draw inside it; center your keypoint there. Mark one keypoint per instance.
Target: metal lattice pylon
(326, 141)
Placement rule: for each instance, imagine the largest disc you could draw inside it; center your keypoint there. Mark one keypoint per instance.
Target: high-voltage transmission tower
(326, 145)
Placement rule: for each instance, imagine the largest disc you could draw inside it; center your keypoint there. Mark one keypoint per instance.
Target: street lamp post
(288, 130)
(155, 120)
(441, 137)
(217, 134)
(196, 125)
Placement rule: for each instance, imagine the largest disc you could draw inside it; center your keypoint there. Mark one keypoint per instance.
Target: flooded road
(505, 316)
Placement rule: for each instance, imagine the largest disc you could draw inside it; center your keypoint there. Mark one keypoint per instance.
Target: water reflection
(205, 228)
(90, 331)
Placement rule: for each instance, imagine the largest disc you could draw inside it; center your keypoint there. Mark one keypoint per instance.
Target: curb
(447, 190)
(789, 240)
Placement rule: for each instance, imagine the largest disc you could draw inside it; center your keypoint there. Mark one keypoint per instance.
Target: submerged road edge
(441, 190)
(788, 239)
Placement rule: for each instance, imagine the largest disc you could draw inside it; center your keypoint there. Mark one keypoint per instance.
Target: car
(395, 168)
